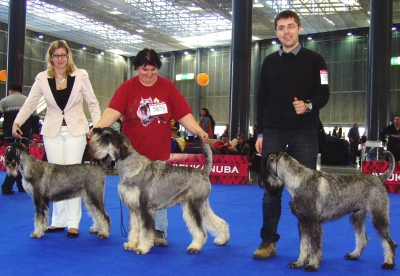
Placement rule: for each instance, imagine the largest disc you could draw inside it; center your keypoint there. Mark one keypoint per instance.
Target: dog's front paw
(192, 250)
(129, 246)
(350, 256)
(141, 250)
(387, 266)
(36, 235)
(94, 230)
(103, 235)
(295, 265)
(311, 268)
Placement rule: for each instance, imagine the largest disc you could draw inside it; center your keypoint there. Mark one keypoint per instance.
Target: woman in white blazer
(63, 86)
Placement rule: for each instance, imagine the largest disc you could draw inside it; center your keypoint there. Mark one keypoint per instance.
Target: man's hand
(299, 106)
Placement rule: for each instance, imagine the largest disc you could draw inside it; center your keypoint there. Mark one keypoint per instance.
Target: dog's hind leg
(357, 220)
(194, 221)
(215, 225)
(304, 248)
(380, 220)
(41, 216)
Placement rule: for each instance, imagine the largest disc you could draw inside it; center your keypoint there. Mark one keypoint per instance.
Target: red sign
(35, 151)
(392, 184)
(226, 169)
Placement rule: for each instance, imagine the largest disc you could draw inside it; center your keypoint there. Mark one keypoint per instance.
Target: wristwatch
(309, 106)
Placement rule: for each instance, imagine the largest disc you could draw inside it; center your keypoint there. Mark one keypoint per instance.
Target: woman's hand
(16, 132)
(203, 135)
(259, 144)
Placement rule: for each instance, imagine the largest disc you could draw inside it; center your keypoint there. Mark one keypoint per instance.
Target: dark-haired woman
(150, 132)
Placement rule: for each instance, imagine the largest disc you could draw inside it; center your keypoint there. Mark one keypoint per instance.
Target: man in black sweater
(293, 88)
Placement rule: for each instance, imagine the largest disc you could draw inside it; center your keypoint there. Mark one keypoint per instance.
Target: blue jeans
(161, 216)
(302, 145)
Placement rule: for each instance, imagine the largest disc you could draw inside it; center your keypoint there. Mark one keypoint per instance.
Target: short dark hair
(224, 135)
(241, 135)
(287, 14)
(15, 87)
(147, 57)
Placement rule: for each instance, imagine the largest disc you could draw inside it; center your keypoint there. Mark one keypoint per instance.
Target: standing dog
(147, 186)
(46, 182)
(318, 197)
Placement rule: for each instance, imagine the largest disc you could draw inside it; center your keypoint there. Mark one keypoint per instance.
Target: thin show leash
(121, 224)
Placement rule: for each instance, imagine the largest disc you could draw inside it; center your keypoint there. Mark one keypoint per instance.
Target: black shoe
(52, 230)
(8, 192)
(72, 235)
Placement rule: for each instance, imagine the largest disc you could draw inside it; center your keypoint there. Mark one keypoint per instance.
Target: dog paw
(36, 235)
(129, 246)
(141, 251)
(295, 265)
(93, 230)
(221, 241)
(311, 268)
(349, 256)
(387, 266)
(192, 250)
(103, 235)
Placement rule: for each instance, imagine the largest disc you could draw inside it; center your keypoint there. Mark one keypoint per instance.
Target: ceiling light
(257, 4)
(101, 52)
(115, 12)
(40, 35)
(212, 49)
(309, 38)
(394, 28)
(83, 47)
(186, 52)
(273, 42)
(349, 33)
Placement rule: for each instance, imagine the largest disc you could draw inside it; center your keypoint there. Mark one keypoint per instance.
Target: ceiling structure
(127, 26)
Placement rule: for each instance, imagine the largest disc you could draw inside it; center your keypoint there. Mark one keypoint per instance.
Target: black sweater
(282, 79)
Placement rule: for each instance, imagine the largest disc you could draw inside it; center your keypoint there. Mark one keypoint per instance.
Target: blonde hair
(71, 67)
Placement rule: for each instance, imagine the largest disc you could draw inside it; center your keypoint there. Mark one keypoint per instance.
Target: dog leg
(133, 237)
(194, 221)
(215, 225)
(314, 231)
(357, 220)
(41, 217)
(304, 248)
(380, 220)
(101, 220)
(146, 232)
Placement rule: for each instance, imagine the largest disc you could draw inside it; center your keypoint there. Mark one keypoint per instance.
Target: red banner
(35, 151)
(392, 184)
(226, 169)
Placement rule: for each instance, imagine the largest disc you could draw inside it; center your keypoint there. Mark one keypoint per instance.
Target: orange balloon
(3, 75)
(203, 79)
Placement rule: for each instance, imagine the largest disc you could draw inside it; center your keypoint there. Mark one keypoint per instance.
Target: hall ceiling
(127, 26)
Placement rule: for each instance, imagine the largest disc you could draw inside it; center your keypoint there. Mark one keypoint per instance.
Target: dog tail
(390, 169)
(207, 151)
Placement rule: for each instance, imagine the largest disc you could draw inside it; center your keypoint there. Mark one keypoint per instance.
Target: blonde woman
(63, 86)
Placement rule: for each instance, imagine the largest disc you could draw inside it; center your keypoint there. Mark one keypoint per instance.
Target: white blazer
(73, 115)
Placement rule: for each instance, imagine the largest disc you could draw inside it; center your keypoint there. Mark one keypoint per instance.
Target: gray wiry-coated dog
(46, 182)
(147, 186)
(318, 197)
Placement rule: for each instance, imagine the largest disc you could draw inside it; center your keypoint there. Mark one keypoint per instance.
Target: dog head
(107, 141)
(13, 157)
(269, 174)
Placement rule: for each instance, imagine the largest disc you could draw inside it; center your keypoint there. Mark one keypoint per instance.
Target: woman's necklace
(61, 81)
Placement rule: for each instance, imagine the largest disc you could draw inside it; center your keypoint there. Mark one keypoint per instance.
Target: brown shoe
(265, 251)
(160, 239)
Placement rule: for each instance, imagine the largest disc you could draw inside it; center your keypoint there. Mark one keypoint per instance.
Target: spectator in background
(223, 144)
(207, 122)
(340, 133)
(9, 108)
(335, 132)
(242, 147)
(390, 137)
(354, 139)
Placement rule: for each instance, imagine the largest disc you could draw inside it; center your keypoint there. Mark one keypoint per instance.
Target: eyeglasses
(287, 27)
(62, 56)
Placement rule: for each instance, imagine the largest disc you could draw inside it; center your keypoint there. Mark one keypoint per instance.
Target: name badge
(158, 109)
(324, 76)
